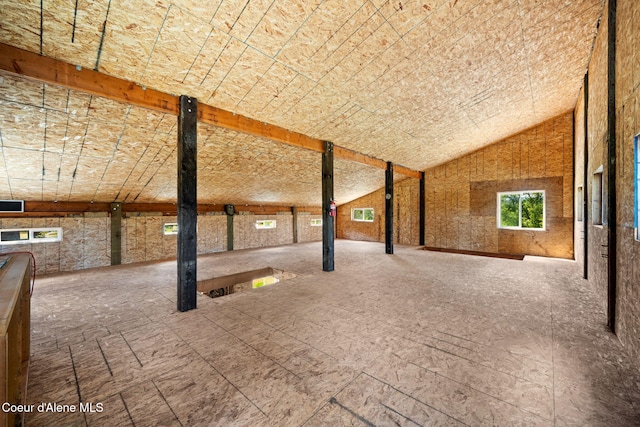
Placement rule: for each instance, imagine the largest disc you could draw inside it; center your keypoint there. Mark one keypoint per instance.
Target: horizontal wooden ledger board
(49, 208)
(50, 70)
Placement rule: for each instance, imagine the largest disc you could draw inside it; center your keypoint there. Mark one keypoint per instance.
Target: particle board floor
(412, 339)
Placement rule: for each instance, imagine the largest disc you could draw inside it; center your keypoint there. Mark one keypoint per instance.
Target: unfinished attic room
(320, 213)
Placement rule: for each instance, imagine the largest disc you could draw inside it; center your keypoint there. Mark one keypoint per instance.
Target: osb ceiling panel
(413, 82)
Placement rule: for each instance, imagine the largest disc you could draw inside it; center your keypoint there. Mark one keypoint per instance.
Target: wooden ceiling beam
(228, 120)
(49, 70)
(30, 207)
(407, 172)
(48, 209)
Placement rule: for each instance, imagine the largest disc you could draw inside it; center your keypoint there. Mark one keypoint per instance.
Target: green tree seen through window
(368, 214)
(532, 210)
(510, 210)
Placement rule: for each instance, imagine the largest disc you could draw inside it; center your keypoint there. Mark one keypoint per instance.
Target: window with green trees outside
(362, 214)
(521, 210)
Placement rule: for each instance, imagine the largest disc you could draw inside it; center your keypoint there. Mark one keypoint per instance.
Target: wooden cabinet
(15, 312)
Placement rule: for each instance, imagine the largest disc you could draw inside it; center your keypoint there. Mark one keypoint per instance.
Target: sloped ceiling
(412, 82)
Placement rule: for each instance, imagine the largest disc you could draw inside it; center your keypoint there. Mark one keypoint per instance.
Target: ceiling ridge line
(46, 69)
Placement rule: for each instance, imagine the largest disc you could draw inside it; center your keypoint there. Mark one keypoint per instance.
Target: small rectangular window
(636, 220)
(30, 235)
(597, 198)
(267, 223)
(362, 214)
(170, 228)
(12, 206)
(43, 235)
(316, 222)
(579, 204)
(521, 210)
(14, 236)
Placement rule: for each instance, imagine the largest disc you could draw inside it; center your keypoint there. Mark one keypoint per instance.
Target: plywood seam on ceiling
(207, 113)
(381, 78)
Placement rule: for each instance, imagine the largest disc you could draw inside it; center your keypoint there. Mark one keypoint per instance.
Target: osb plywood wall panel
(85, 244)
(246, 235)
(406, 212)
(346, 228)
(461, 195)
(212, 233)
(597, 152)
(87, 240)
(307, 232)
(627, 127)
(143, 238)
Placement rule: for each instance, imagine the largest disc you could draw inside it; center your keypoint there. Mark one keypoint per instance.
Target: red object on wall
(332, 208)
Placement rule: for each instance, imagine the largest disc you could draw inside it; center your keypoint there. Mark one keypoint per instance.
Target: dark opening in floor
(241, 282)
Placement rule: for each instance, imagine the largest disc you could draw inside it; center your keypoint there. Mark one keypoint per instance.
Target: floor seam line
(480, 391)
(414, 398)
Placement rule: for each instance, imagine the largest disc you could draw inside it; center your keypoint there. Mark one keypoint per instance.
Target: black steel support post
(328, 223)
(585, 184)
(116, 234)
(187, 203)
(422, 209)
(611, 172)
(230, 211)
(294, 212)
(388, 211)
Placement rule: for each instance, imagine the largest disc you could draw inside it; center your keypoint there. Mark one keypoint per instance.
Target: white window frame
(316, 222)
(597, 197)
(520, 227)
(32, 235)
(579, 204)
(636, 197)
(263, 224)
(20, 202)
(353, 214)
(170, 233)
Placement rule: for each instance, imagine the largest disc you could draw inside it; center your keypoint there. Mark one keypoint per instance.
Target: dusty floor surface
(412, 339)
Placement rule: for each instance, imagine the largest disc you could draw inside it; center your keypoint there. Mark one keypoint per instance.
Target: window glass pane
(267, 223)
(636, 220)
(532, 210)
(509, 210)
(579, 204)
(171, 228)
(45, 234)
(596, 199)
(368, 214)
(14, 235)
(358, 214)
